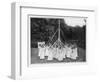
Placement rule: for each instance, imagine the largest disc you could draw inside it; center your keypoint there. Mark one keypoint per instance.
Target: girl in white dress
(41, 50)
(74, 54)
(50, 55)
(68, 52)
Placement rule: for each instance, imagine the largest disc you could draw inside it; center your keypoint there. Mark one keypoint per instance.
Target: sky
(75, 21)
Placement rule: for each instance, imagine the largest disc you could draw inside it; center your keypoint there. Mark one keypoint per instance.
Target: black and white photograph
(52, 41)
(55, 40)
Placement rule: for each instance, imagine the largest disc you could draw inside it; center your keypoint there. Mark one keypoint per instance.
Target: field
(35, 58)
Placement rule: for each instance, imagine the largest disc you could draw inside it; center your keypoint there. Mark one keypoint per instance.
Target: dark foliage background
(44, 28)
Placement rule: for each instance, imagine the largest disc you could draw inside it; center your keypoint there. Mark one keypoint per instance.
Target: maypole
(59, 30)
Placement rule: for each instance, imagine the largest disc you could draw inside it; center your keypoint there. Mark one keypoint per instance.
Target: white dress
(74, 54)
(68, 52)
(42, 53)
(41, 50)
(46, 51)
(54, 52)
(60, 54)
(50, 54)
(64, 53)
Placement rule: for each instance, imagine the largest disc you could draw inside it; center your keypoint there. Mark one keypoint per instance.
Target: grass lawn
(35, 58)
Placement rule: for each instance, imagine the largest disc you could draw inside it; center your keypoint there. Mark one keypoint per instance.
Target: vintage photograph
(56, 40)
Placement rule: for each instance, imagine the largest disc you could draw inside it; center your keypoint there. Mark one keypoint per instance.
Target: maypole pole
(59, 30)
